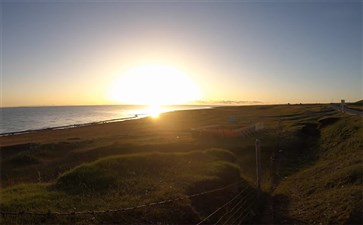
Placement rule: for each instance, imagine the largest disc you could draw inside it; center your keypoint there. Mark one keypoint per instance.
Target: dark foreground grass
(329, 189)
(128, 180)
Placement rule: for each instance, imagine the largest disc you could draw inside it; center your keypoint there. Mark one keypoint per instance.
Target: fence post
(258, 167)
(342, 105)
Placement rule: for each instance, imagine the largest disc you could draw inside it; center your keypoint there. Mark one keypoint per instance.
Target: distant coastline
(21, 120)
(70, 126)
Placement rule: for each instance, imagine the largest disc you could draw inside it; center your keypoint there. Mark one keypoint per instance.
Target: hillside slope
(329, 189)
(123, 181)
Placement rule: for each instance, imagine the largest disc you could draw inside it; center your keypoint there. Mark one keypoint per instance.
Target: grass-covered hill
(328, 188)
(129, 180)
(42, 156)
(311, 168)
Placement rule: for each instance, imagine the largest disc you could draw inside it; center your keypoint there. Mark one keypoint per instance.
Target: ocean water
(19, 119)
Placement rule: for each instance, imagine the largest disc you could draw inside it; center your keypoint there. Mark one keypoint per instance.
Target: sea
(24, 119)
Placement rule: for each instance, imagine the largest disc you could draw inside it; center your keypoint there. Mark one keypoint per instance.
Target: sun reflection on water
(154, 111)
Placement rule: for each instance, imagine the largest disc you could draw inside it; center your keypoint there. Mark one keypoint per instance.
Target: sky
(70, 53)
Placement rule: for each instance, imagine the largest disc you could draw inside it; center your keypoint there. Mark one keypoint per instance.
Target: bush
(24, 158)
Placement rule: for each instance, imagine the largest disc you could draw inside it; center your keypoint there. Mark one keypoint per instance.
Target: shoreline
(126, 126)
(136, 116)
(64, 127)
(71, 126)
(98, 133)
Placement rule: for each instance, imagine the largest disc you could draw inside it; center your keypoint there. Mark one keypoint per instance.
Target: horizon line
(215, 103)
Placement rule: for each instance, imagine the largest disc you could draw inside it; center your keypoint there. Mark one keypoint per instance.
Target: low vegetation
(311, 167)
(128, 180)
(328, 189)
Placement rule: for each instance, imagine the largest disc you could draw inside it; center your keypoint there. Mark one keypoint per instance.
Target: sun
(154, 85)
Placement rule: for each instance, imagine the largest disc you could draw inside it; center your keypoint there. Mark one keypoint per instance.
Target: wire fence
(4, 213)
(235, 210)
(242, 204)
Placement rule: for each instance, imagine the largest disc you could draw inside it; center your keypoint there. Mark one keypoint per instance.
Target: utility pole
(342, 105)
(258, 167)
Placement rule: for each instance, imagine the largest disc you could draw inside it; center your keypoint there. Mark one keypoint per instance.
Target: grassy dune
(44, 155)
(329, 189)
(311, 164)
(128, 180)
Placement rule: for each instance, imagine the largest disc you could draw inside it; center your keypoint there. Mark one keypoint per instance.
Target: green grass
(329, 189)
(128, 180)
(57, 153)
(24, 158)
(135, 162)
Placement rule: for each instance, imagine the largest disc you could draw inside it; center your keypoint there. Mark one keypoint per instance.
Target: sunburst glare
(154, 85)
